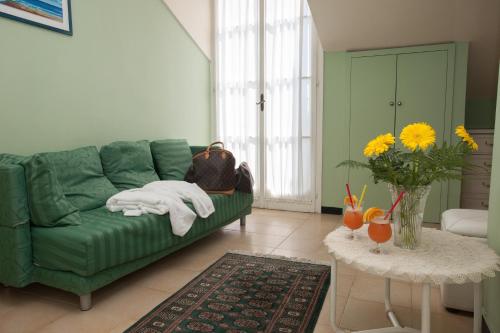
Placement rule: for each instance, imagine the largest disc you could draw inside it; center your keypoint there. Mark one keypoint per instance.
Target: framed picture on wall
(50, 14)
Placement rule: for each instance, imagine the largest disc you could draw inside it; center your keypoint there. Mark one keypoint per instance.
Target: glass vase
(408, 215)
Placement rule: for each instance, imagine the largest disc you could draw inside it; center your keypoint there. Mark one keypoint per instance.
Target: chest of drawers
(476, 180)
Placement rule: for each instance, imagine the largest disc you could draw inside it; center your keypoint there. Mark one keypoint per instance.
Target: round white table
(442, 258)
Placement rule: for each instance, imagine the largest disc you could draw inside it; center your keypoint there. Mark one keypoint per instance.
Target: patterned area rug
(244, 293)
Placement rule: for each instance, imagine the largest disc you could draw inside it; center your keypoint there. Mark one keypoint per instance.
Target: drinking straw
(394, 205)
(350, 196)
(362, 196)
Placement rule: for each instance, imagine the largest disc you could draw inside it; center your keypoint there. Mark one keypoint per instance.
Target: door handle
(391, 103)
(261, 102)
(400, 103)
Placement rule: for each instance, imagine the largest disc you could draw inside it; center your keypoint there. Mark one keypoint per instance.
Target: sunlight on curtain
(237, 85)
(288, 123)
(288, 160)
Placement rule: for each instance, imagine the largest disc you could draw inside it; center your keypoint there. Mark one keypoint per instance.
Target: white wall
(196, 17)
(364, 24)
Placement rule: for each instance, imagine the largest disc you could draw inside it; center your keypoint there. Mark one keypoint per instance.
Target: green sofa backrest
(196, 149)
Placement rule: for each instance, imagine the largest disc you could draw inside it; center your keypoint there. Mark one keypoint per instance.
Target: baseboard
(331, 210)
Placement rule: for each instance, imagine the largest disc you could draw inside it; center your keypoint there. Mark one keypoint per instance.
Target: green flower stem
(408, 216)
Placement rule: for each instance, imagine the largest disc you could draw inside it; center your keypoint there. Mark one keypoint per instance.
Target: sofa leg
(85, 302)
(243, 221)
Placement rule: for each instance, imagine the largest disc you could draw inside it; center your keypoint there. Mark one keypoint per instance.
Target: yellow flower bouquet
(412, 170)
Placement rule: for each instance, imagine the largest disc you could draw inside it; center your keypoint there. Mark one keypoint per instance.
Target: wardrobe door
(421, 96)
(372, 105)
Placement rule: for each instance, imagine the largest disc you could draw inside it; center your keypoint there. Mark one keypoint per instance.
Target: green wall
(492, 287)
(130, 71)
(335, 127)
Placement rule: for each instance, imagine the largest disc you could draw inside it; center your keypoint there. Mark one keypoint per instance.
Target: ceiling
(366, 24)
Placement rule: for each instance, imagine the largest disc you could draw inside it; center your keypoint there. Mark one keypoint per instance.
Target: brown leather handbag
(213, 170)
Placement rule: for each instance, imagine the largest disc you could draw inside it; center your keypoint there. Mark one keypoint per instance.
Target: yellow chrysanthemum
(387, 138)
(461, 132)
(418, 135)
(379, 145)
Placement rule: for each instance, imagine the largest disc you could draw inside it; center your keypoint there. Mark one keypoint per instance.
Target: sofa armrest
(15, 233)
(14, 209)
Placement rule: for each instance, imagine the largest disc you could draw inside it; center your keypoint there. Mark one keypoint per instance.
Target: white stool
(466, 222)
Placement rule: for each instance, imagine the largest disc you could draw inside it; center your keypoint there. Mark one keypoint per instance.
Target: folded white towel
(132, 212)
(185, 191)
(163, 197)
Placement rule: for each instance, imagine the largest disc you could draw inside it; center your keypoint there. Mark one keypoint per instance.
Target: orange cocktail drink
(353, 218)
(380, 231)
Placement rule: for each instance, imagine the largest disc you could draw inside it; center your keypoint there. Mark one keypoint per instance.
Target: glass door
(265, 80)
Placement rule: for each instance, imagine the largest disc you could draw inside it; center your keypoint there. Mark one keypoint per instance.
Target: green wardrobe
(383, 91)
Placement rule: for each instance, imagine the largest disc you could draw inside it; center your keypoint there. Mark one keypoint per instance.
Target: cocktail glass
(353, 219)
(380, 231)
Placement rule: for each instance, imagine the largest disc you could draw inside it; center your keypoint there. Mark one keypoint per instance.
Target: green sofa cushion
(106, 239)
(128, 164)
(172, 158)
(82, 179)
(48, 205)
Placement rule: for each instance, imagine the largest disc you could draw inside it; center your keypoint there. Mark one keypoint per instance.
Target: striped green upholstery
(172, 158)
(11, 159)
(128, 164)
(15, 241)
(105, 239)
(81, 177)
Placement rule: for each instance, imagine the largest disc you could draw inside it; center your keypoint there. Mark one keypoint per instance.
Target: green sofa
(102, 246)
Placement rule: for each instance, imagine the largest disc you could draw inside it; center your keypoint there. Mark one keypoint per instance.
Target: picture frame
(54, 15)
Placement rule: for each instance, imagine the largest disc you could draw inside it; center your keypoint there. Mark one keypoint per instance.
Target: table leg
(426, 308)
(390, 313)
(478, 303)
(388, 307)
(333, 297)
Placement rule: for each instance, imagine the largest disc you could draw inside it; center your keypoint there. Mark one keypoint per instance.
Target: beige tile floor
(41, 309)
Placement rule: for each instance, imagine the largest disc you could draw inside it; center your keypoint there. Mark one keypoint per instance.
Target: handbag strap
(209, 148)
(215, 143)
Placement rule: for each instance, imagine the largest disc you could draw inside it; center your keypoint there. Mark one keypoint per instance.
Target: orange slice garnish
(347, 201)
(372, 213)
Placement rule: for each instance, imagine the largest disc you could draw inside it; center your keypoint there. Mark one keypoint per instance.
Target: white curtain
(287, 117)
(286, 163)
(237, 84)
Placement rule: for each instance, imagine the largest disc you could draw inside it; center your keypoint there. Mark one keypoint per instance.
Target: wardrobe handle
(391, 103)
(400, 103)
